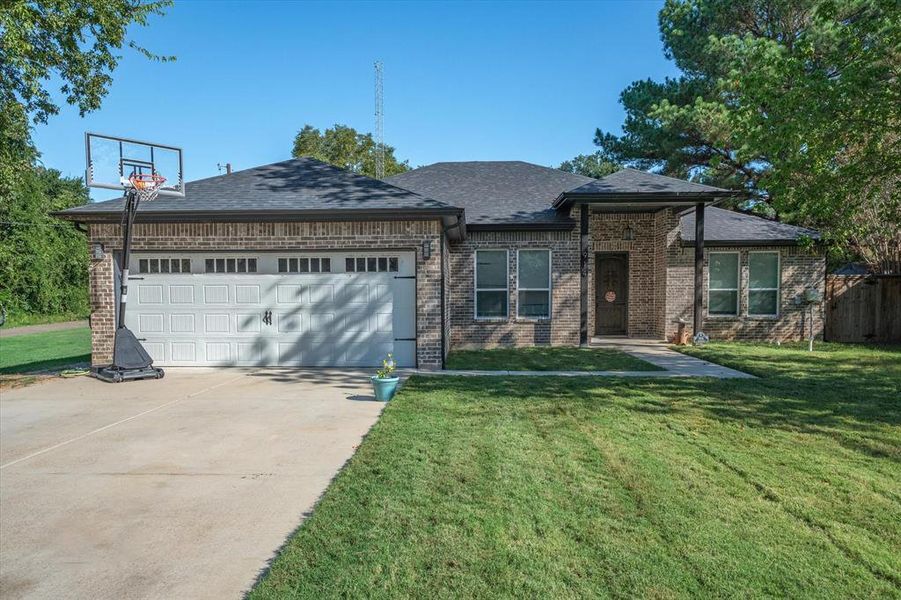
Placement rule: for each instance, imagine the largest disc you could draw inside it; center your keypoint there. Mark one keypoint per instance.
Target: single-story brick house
(302, 263)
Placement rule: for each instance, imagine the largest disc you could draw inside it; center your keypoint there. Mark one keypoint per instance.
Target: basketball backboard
(110, 160)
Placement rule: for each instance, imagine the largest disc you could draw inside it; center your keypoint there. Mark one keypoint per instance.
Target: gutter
(568, 199)
(237, 216)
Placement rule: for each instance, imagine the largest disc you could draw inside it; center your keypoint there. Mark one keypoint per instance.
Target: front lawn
(545, 358)
(37, 351)
(788, 485)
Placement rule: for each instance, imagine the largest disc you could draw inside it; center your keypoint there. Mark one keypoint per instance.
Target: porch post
(699, 269)
(584, 244)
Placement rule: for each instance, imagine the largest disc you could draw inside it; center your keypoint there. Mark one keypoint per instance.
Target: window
(491, 284)
(763, 284)
(373, 264)
(533, 284)
(164, 265)
(305, 265)
(230, 265)
(722, 292)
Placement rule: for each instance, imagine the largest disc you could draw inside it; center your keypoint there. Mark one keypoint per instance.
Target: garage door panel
(218, 352)
(248, 322)
(322, 293)
(318, 319)
(216, 323)
(181, 294)
(181, 323)
(150, 323)
(215, 294)
(150, 294)
(249, 352)
(247, 294)
(289, 322)
(290, 294)
(185, 352)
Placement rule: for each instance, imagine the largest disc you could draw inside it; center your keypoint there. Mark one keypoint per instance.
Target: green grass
(788, 486)
(39, 351)
(545, 358)
(22, 319)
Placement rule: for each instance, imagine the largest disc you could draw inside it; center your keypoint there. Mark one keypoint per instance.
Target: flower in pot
(384, 382)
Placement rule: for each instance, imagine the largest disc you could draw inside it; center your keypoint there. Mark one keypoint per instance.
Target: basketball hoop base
(117, 375)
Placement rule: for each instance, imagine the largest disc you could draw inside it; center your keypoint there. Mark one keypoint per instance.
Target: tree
(343, 147)
(595, 165)
(72, 41)
(798, 103)
(43, 261)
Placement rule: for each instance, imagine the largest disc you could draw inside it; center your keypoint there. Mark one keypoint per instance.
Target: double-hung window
(722, 288)
(763, 284)
(533, 284)
(491, 284)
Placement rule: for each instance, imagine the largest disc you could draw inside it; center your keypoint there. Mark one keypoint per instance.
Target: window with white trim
(313, 264)
(230, 265)
(722, 284)
(372, 264)
(491, 277)
(763, 284)
(533, 284)
(164, 265)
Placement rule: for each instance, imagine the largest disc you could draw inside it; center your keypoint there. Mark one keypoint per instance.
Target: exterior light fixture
(628, 233)
(97, 251)
(426, 249)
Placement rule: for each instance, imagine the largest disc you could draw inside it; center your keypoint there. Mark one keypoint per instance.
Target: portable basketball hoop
(137, 169)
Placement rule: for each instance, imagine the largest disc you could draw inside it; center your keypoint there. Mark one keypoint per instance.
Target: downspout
(698, 322)
(584, 243)
(443, 312)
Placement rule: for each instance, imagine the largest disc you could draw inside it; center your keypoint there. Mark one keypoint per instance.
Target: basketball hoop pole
(130, 360)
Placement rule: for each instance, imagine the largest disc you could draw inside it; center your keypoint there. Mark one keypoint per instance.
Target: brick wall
(399, 235)
(563, 327)
(800, 268)
(645, 265)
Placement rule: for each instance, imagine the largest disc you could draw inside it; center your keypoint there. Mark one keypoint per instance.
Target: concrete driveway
(179, 488)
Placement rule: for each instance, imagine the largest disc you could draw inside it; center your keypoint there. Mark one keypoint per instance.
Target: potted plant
(384, 383)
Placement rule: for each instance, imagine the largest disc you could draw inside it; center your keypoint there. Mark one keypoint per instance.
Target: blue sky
(463, 81)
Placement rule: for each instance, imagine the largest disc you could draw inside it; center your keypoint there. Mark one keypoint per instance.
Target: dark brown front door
(611, 294)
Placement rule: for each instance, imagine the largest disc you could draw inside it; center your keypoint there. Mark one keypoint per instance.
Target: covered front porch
(628, 230)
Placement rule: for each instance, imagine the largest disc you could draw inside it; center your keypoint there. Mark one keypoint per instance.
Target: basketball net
(146, 185)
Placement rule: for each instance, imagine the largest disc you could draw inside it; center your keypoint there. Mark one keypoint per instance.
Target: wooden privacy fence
(863, 308)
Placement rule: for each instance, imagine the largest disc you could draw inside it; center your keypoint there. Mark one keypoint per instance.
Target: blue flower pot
(384, 388)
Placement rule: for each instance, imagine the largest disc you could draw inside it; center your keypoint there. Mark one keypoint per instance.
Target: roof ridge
(665, 177)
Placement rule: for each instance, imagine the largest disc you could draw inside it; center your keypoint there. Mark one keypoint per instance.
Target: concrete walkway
(27, 329)
(675, 364)
(659, 354)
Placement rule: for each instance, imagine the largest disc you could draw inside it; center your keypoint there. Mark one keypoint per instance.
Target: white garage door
(284, 309)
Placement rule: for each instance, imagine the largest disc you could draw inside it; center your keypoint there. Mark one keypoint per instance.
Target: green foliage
(43, 261)
(73, 41)
(546, 358)
(343, 147)
(798, 103)
(595, 165)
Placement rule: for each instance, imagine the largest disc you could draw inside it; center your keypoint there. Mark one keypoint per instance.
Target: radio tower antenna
(379, 123)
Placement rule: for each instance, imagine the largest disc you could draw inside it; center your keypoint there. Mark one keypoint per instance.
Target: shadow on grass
(46, 365)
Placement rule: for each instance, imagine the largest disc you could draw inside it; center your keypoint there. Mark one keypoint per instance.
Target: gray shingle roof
(495, 192)
(726, 226)
(632, 181)
(296, 186)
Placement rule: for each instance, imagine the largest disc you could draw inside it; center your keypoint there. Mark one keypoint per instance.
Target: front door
(611, 294)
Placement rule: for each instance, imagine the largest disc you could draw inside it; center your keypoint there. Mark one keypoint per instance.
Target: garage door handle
(405, 276)
(267, 317)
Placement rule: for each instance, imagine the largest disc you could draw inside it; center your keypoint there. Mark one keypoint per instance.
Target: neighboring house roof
(512, 194)
(293, 188)
(730, 228)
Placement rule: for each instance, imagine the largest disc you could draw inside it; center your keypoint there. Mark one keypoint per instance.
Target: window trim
(476, 290)
(548, 289)
(737, 289)
(777, 289)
